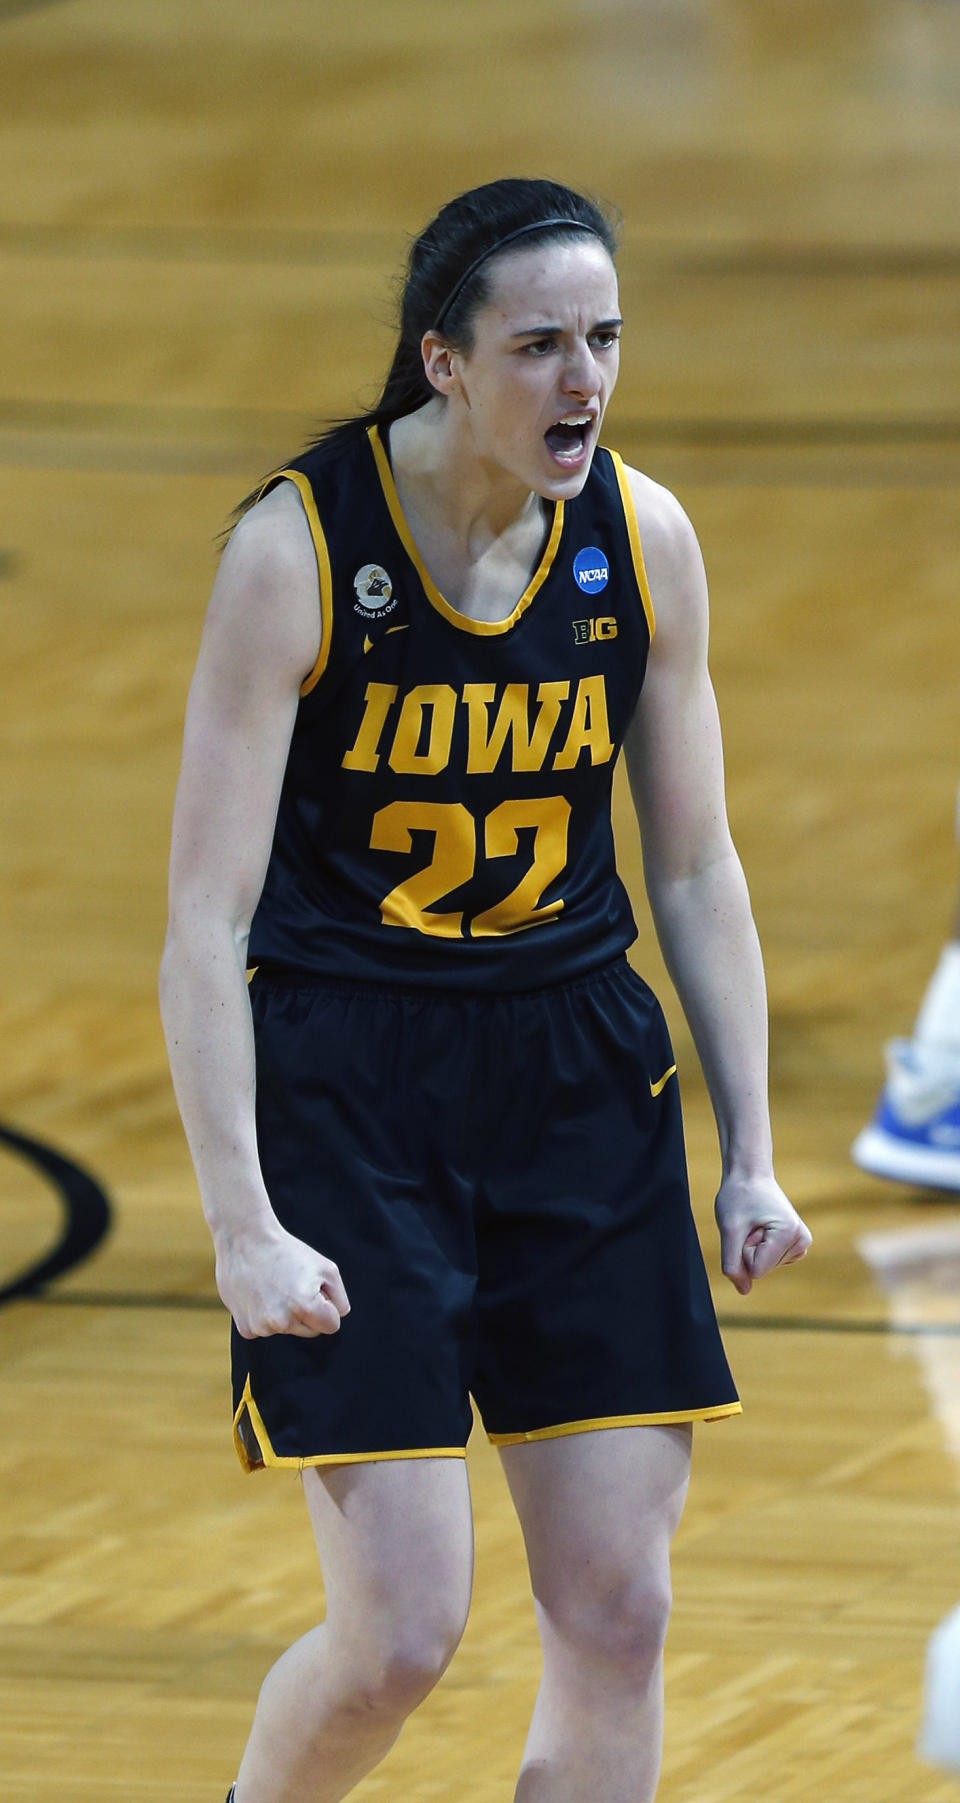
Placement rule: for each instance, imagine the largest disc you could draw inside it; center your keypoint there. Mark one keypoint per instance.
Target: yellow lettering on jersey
(589, 726)
(549, 815)
(528, 749)
(406, 758)
(451, 863)
(364, 753)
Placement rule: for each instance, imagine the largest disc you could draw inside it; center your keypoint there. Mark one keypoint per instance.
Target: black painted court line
(12, 9)
(87, 1215)
(820, 262)
(285, 246)
(70, 457)
(383, 245)
(941, 1330)
(148, 1299)
(821, 1324)
(153, 419)
(245, 423)
(789, 432)
(150, 438)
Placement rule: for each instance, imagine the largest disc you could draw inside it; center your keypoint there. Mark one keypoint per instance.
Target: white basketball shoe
(914, 1135)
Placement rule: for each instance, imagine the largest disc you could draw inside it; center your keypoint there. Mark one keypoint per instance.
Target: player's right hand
(274, 1283)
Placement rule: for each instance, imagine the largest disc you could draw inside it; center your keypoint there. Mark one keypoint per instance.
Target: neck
(440, 479)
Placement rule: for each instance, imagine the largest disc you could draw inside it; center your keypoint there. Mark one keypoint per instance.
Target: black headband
(536, 225)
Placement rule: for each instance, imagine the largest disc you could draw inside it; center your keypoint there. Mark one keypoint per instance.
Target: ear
(439, 363)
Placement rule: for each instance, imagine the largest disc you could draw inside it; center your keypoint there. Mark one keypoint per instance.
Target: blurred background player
(914, 1133)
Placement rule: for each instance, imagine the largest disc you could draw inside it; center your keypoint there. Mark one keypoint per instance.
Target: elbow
(197, 939)
(717, 868)
(183, 931)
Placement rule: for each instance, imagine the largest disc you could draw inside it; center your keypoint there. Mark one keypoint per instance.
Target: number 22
(455, 835)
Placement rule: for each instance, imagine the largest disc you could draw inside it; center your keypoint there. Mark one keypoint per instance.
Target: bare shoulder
(272, 539)
(266, 596)
(671, 553)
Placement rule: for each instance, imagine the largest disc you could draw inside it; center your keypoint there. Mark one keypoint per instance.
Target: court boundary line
(87, 1213)
(819, 1324)
(16, 9)
(692, 430)
(149, 438)
(219, 242)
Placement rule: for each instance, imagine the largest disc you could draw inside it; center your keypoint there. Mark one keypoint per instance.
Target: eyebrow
(602, 325)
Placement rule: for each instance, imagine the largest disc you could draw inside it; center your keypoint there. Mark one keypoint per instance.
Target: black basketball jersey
(445, 812)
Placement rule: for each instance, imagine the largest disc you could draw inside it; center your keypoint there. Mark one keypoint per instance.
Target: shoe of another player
(914, 1136)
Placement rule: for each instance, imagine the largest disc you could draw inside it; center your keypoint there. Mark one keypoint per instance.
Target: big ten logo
(587, 632)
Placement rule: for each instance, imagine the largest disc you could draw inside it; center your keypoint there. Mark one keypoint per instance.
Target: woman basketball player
(438, 1139)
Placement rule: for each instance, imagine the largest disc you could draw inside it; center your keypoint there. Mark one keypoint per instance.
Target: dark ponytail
(446, 282)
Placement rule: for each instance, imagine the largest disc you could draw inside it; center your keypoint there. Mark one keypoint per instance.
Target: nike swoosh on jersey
(662, 1082)
(368, 642)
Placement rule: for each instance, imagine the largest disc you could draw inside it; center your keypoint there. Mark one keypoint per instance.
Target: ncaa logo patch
(591, 570)
(374, 592)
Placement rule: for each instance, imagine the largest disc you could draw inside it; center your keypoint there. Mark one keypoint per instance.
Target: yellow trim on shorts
(372, 1458)
(271, 1459)
(719, 1412)
(302, 485)
(633, 533)
(248, 1406)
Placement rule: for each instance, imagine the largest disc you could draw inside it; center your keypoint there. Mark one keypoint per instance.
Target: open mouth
(568, 439)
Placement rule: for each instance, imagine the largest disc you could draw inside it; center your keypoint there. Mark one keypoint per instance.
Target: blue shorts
(501, 1180)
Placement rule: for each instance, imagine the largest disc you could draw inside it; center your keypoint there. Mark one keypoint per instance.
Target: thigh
(599, 1509)
(395, 1540)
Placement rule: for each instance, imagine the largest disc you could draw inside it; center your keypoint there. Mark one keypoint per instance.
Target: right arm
(260, 639)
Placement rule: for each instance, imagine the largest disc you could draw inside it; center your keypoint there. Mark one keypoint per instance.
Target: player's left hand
(759, 1229)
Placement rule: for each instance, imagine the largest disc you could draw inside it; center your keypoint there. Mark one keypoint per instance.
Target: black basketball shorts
(501, 1180)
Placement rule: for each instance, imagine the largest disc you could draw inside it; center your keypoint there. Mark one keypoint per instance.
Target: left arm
(698, 895)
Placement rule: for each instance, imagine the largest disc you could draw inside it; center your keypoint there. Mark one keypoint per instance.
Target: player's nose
(581, 376)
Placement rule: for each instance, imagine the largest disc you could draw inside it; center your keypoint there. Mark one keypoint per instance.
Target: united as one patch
(374, 592)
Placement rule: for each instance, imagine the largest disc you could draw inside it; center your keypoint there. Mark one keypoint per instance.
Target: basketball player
(439, 1140)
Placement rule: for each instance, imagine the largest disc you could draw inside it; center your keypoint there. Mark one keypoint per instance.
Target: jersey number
(454, 859)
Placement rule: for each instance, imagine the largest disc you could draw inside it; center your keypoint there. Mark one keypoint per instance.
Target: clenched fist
(759, 1230)
(273, 1283)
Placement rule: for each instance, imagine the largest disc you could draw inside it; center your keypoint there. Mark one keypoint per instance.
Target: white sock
(938, 1022)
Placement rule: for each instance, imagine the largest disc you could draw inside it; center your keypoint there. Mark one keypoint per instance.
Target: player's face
(544, 364)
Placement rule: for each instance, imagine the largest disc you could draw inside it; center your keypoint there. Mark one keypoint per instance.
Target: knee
(400, 1669)
(404, 1674)
(615, 1619)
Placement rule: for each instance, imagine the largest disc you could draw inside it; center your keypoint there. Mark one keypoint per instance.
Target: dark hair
(446, 282)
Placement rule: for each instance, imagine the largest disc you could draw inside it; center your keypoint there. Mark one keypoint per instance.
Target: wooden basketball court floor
(201, 209)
